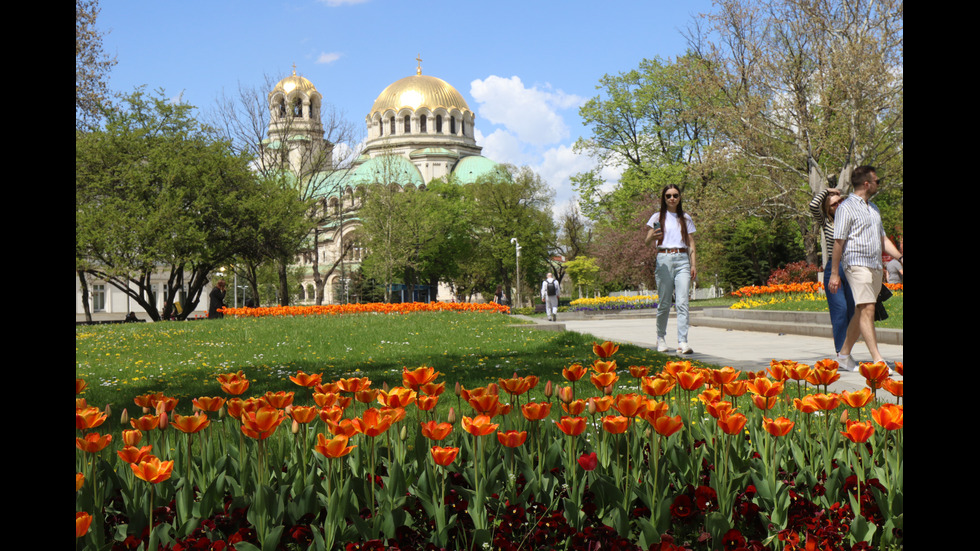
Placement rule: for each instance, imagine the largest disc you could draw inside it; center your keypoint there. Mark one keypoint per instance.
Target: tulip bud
(843, 417)
(108, 410)
(295, 427)
(403, 435)
(592, 407)
(163, 420)
(451, 418)
(221, 412)
(459, 389)
(608, 390)
(124, 418)
(549, 390)
(566, 394)
(492, 388)
(161, 407)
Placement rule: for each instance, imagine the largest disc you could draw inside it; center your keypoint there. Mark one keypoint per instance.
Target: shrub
(794, 272)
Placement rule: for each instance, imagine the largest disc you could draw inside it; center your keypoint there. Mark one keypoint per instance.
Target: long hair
(681, 219)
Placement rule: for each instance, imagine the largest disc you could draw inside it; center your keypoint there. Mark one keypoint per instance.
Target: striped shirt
(827, 224)
(858, 222)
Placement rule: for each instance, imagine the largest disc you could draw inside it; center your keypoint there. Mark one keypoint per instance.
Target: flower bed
(698, 459)
(613, 303)
(760, 296)
(367, 308)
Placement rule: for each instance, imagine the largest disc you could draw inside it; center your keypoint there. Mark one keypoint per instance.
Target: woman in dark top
(216, 300)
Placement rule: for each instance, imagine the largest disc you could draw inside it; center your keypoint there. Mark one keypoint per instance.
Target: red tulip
(588, 461)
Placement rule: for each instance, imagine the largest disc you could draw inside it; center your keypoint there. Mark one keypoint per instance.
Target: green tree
(155, 192)
(584, 271)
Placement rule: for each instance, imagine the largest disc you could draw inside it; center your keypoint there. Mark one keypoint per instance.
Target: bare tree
(92, 66)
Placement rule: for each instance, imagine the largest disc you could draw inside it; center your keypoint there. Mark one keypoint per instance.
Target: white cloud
(328, 57)
(503, 147)
(530, 114)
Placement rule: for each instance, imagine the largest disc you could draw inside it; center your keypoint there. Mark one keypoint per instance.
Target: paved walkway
(745, 350)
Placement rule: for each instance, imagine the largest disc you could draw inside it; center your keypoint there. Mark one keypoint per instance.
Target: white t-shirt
(673, 239)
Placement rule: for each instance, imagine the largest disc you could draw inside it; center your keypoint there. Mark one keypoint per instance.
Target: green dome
(469, 169)
(387, 169)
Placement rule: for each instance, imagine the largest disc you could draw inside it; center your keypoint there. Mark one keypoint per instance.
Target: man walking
(859, 239)
(549, 296)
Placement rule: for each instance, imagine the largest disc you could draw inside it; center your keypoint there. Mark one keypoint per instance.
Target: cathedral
(419, 128)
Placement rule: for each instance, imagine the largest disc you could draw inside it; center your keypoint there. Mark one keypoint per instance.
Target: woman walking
(823, 206)
(673, 230)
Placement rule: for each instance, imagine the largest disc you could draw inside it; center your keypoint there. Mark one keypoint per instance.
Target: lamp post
(517, 254)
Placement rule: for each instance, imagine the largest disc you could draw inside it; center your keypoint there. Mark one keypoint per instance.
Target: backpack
(552, 289)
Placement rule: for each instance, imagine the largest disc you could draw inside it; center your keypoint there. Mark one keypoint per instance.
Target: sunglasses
(672, 195)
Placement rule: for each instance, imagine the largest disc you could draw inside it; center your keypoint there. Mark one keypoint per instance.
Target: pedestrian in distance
(550, 289)
(216, 299)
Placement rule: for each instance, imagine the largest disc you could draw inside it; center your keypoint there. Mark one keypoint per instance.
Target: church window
(381, 128)
(298, 108)
(282, 108)
(392, 126)
(408, 124)
(452, 125)
(422, 124)
(462, 127)
(439, 124)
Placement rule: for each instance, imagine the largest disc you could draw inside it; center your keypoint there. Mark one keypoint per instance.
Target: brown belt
(671, 250)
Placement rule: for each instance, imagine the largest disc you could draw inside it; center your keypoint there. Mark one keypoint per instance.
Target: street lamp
(517, 254)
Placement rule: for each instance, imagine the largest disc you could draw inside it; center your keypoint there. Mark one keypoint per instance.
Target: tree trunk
(84, 284)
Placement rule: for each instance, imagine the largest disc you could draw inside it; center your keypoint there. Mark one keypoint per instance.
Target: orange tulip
(485, 404)
(666, 426)
(764, 403)
(235, 387)
(859, 432)
(690, 380)
(205, 403)
(826, 402)
(262, 423)
(889, 416)
(536, 411)
(615, 424)
(512, 438)
(602, 403)
(896, 388)
(575, 407)
(427, 403)
(89, 418)
(603, 380)
(304, 414)
(278, 400)
(805, 406)
(515, 386)
(799, 372)
(857, 399)
(132, 454)
(344, 427)
(148, 401)
(733, 423)
(398, 397)
(190, 424)
(737, 388)
(709, 395)
(375, 423)
(152, 469)
(823, 376)
(719, 408)
(82, 519)
(421, 376)
(574, 372)
(333, 448)
(874, 373)
(780, 370)
(629, 405)
(673, 368)
(80, 385)
(480, 426)
(354, 384)
(779, 426)
(900, 368)
(605, 349)
(444, 456)
(436, 431)
(572, 426)
(656, 386)
(654, 410)
(566, 394)
(639, 371)
(132, 437)
(601, 366)
(145, 423)
(432, 389)
(766, 388)
(305, 380)
(724, 375)
(229, 377)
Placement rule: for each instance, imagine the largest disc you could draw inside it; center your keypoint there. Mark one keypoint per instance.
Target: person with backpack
(549, 296)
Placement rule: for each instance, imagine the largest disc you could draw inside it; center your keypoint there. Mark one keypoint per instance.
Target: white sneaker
(846, 363)
(683, 348)
(661, 344)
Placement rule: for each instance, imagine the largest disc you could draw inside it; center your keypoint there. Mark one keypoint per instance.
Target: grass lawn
(182, 359)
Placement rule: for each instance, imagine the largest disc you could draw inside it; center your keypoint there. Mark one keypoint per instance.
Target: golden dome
(419, 91)
(294, 82)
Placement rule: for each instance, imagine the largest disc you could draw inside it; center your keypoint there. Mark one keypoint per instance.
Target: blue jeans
(673, 278)
(841, 306)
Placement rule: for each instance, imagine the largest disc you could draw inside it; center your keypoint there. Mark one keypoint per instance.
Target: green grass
(182, 359)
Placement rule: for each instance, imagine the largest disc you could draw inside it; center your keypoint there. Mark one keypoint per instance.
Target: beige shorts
(865, 283)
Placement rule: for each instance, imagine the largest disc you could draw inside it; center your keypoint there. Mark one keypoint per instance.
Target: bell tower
(295, 139)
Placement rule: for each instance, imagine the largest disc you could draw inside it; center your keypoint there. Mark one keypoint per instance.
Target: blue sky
(524, 67)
